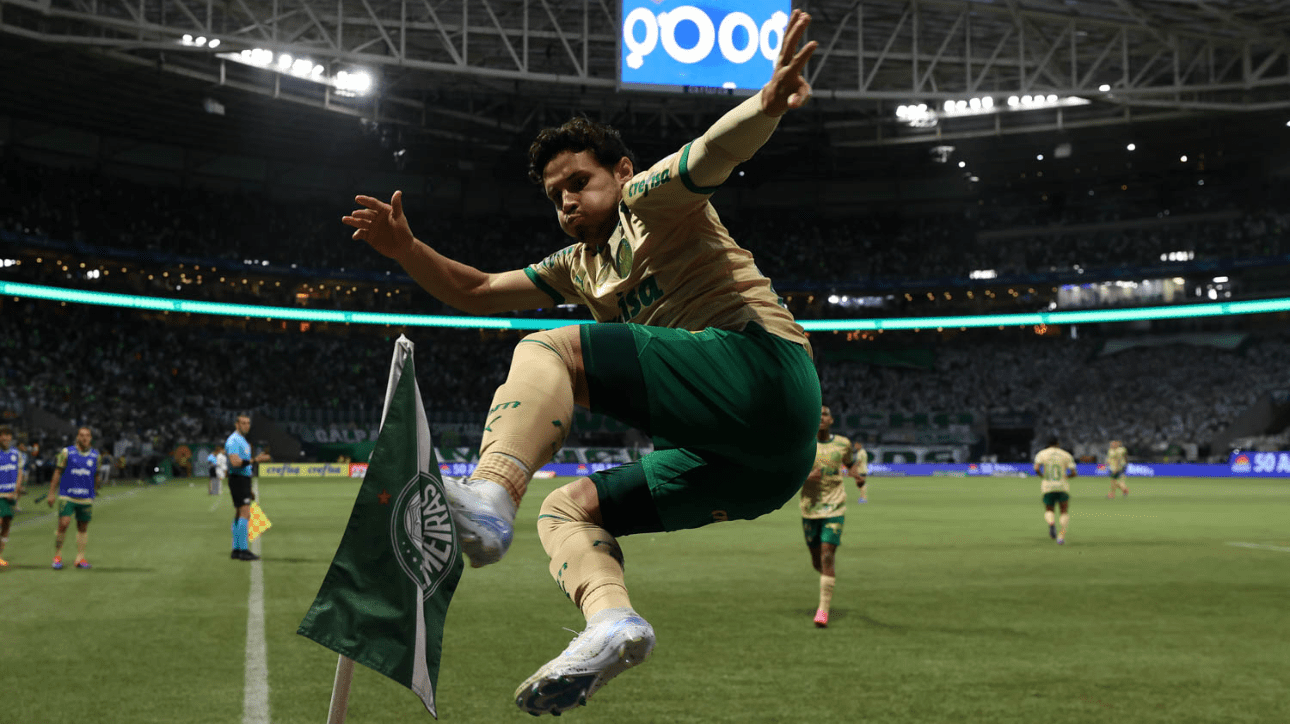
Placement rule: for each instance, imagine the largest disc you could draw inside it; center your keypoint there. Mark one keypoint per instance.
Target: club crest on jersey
(421, 532)
(624, 258)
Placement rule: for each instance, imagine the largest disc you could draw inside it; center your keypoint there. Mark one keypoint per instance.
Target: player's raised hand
(787, 88)
(382, 225)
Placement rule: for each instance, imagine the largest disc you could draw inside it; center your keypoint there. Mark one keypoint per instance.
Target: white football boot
(614, 640)
(485, 517)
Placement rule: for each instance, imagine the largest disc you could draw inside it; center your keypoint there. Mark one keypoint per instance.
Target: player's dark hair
(85, 427)
(1052, 441)
(6, 430)
(576, 135)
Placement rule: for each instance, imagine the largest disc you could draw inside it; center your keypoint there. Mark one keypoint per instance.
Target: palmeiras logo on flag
(421, 533)
(385, 597)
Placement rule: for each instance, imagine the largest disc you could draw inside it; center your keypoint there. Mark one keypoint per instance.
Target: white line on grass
(53, 514)
(255, 698)
(214, 505)
(1260, 546)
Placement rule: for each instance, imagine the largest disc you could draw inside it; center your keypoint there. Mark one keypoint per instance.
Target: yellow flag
(258, 523)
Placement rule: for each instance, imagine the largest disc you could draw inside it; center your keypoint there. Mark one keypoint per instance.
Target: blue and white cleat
(614, 640)
(485, 516)
(1061, 540)
(1052, 531)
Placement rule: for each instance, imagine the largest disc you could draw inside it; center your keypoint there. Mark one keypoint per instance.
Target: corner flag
(385, 597)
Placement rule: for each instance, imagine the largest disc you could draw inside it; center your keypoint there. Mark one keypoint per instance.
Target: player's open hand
(787, 88)
(382, 225)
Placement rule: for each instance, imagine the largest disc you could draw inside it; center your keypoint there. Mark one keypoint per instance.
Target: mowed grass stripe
(951, 604)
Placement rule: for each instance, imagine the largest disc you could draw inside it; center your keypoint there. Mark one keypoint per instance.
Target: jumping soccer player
(11, 479)
(74, 484)
(824, 505)
(1055, 467)
(692, 348)
(861, 470)
(1117, 459)
(240, 464)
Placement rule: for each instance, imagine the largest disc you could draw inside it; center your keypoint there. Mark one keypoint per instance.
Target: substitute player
(1055, 467)
(861, 470)
(11, 485)
(74, 486)
(824, 507)
(241, 465)
(693, 348)
(1117, 459)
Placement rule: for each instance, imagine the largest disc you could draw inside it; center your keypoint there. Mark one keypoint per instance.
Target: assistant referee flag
(385, 597)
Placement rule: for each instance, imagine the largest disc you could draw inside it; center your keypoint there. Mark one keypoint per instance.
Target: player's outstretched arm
(384, 227)
(737, 135)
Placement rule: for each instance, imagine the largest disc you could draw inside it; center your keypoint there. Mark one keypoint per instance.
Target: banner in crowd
(1242, 465)
(1144, 470)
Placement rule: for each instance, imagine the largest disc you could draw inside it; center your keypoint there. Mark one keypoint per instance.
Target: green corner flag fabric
(385, 597)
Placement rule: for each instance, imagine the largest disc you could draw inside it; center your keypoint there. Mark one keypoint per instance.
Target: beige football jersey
(1054, 463)
(862, 460)
(828, 497)
(1116, 458)
(670, 262)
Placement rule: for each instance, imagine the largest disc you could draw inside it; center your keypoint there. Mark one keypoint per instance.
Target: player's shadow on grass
(837, 615)
(275, 559)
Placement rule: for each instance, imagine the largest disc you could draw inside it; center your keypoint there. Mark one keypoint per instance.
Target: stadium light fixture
(1105, 88)
(352, 82)
(159, 304)
(1132, 147)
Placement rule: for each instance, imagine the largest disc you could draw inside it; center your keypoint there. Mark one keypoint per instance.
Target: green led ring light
(159, 304)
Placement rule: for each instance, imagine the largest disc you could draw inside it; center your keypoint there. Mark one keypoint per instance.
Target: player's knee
(563, 343)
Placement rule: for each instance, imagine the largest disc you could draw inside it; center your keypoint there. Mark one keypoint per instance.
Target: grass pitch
(952, 605)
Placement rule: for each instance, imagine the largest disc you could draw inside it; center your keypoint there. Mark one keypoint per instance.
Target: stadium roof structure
(481, 73)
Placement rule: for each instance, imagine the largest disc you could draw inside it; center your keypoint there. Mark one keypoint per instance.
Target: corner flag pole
(340, 691)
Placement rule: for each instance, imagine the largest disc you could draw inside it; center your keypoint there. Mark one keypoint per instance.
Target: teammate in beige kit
(861, 470)
(1055, 467)
(691, 347)
(824, 507)
(1117, 459)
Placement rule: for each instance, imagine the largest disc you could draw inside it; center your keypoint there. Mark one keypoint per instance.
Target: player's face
(826, 419)
(243, 425)
(585, 194)
(5, 439)
(83, 438)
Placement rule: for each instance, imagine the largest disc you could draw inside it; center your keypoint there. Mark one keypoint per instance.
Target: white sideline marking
(54, 514)
(1260, 546)
(255, 698)
(214, 505)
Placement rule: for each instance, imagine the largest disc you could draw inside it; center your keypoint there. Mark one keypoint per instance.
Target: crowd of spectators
(155, 382)
(98, 215)
(1152, 398)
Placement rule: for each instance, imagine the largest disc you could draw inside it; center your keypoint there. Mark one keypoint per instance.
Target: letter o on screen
(707, 34)
(726, 40)
(639, 48)
(777, 24)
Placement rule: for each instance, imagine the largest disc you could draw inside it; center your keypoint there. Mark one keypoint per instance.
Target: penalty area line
(1262, 547)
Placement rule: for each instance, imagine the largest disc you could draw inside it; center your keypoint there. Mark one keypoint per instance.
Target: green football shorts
(82, 511)
(823, 530)
(1055, 497)
(6, 507)
(733, 416)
